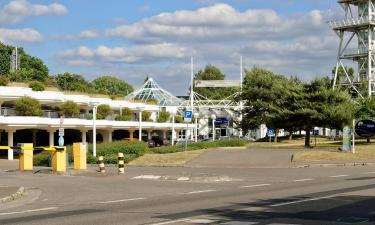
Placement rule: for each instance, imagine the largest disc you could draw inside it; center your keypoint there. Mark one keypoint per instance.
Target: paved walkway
(244, 158)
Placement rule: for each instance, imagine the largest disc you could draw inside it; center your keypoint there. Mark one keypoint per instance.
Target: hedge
(201, 145)
(131, 150)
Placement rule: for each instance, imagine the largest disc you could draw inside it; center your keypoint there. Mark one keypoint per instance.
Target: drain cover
(353, 220)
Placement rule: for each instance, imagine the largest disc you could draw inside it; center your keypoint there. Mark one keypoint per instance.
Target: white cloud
(144, 53)
(17, 10)
(220, 22)
(84, 34)
(20, 35)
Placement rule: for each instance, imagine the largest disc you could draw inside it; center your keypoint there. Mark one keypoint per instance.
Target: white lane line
(147, 177)
(369, 173)
(28, 211)
(302, 180)
(171, 222)
(304, 200)
(197, 192)
(337, 176)
(255, 185)
(122, 200)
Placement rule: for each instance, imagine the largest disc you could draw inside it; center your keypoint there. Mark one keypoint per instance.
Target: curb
(334, 165)
(21, 191)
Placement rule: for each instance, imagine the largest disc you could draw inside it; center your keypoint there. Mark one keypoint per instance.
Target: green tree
(164, 117)
(72, 82)
(322, 106)
(27, 106)
(211, 72)
(103, 111)
(69, 109)
(112, 86)
(5, 53)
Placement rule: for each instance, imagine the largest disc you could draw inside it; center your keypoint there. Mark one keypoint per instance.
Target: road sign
(270, 132)
(316, 132)
(61, 132)
(365, 128)
(188, 116)
(221, 122)
(61, 141)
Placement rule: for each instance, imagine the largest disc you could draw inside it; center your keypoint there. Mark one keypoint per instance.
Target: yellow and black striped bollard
(121, 165)
(101, 164)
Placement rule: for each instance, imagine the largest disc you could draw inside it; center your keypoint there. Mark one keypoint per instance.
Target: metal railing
(351, 22)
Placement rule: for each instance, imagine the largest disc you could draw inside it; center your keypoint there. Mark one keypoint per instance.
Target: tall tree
(211, 72)
(112, 86)
(72, 82)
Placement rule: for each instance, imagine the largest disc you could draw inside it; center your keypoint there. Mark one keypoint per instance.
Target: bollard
(121, 165)
(101, 164)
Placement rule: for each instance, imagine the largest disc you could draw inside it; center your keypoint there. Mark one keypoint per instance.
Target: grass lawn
(170, 159)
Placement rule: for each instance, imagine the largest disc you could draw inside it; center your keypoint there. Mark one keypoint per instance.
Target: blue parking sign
(188, 115)
(270, 132)
(316, 132)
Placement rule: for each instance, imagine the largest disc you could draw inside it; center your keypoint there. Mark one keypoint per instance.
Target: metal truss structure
(150, 90)
(357, 41)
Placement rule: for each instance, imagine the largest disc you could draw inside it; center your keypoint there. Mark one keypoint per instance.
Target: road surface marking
(171, 222)
(197, 192)
(369, 173)
(336, 176)
(147, 177)
(302, 180)
(122, 200)
(255, 185)
(239, 223)
(28, 211)
(202, 221)
(300, 201)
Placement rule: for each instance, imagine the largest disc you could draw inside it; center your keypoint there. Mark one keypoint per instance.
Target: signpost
(270, 133)
(61, 132)
(315, 133)
(188, 116)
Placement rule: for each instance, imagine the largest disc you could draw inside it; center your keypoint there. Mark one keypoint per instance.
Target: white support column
(84, 136)
(131, 134)
(164, 135)
(34, 132)
(140, 126)
(149, 134)
(173, 130)
(1, 112)
(94, 131)
(110, 133)
(51, 137)
(10, 144)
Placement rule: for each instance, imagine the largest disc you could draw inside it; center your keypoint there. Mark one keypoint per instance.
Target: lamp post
(173, 132)
(94, 109)
(196, 116)
(213, 117)
(140, 109)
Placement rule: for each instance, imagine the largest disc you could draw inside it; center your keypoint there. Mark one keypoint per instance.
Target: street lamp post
(173, 132)
(196, 115)
(213, 117)
(94, 109)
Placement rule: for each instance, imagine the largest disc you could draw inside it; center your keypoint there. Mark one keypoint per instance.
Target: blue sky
(133, 39)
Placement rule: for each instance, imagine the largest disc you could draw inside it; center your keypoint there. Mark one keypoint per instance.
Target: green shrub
(146, 116)
(201, 145)
(103, 111)
(178, 119)
(127, 115)
(36, 86)
(164, 117)
(69, 109)
(42, 159)
(4, 81)
(27, 106)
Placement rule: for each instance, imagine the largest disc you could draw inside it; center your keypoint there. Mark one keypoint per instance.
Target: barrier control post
(79, 156)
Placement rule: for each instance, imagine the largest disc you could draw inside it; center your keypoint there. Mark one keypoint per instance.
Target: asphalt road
(264, 196)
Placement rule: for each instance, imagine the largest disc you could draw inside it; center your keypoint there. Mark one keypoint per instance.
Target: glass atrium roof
(150, 90)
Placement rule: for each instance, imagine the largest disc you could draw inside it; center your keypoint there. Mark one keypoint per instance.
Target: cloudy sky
(132, 39)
